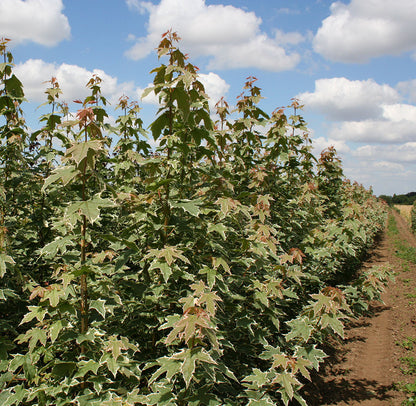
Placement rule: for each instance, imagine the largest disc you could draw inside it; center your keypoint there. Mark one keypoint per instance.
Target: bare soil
(365, 369)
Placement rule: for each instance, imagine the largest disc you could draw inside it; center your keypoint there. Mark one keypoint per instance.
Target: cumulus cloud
(39, 21)
(136, 5)
(72, 80)
(388, 166)
(384, 176)
(361, 30)
(393, 154)
(375, 131)
(215, 87)
(229, 36)
(397, 124)
(341, 99)
(364, 111)
(408, 90)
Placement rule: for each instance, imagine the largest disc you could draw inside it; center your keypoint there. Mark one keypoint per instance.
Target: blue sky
(351, 62)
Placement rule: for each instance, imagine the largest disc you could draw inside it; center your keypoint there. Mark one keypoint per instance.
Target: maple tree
(207, 270)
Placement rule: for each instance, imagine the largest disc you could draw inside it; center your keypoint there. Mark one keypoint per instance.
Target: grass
(407, 344)
(403, 249)
(392, 226)
(410, 295)
(408, 369)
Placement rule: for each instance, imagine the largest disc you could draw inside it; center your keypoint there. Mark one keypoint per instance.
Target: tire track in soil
(364, 368)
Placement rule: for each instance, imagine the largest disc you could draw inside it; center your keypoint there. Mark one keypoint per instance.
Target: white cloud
(365, 110)
(136, 5)
(341, 99)
(292, 38)
(400, 112)
(40, 21)
(375, 131)
(71, 78)
(408, 89)
(393, 154)
(230, 36)
(388, 166)
(363, 29)
(397, 125)
(215, 87)
(383, 176)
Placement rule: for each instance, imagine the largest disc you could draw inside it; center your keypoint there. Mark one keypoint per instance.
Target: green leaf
(261, 402)
(4, 259)
(257, 379)
(188, 369)
(123, 241)
(34, 335)
(147, 91)
(162, 396)
(219, 261)
(261, 297)
(115, 346)
(190, 206)
(227, 205)
(311, 353)
(36, 312)
(169, 366)
(54, 294)
(181, 96)
(64, 173)
(299, 328)
(112, 365)
(190, 357)
(55, 329)
(287, 381)
(13, 396)
(164, 268)
(87, 366)
(169, 254)
(84, 152)
(302, 365)
(99, 306)
(7, 293)
(158, 125)
(59, 245)
(334, 323)
(210, 300)
(89, 208)
(218, 228)
(14, 87)
(270, 352)
(211, 276)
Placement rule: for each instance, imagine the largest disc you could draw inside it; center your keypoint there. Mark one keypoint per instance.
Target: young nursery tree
(204, 271)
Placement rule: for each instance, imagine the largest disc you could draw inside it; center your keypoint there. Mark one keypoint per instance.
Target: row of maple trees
(205, 271)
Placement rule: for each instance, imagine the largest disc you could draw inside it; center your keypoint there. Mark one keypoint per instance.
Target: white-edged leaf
(98, 305)
(4, 259)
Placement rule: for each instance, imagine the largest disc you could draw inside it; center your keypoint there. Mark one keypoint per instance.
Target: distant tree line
(408, 198)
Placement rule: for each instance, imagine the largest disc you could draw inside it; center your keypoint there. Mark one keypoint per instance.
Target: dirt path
(365, 368)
